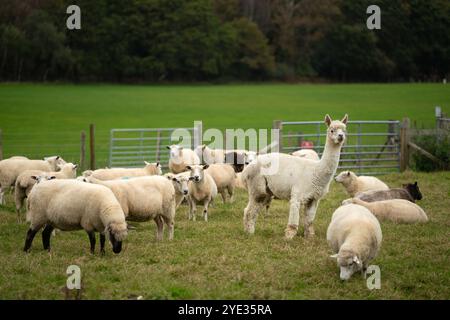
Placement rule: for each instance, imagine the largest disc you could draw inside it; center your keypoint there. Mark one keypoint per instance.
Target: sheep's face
(180, 183)
(175, 151)
(69, 168)
(82, 179)
(56, 162)
(156, 165)
(348, 263)
(413, 190)
(197, 172)
(337, 130)
(344, 177)
(117, 231)
(42, 177)
(250, 156)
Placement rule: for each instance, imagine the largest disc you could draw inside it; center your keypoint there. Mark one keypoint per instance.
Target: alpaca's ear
(345, 119)
(328, 120)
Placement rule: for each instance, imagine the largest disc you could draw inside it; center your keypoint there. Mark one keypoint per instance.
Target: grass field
(40, 120)
(218, 260)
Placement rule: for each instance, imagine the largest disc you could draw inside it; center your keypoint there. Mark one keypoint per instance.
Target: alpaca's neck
(330, 159)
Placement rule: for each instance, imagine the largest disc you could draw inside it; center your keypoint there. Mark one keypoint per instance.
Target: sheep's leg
(170, 225)
(251, 214)
(224, 195)
(159, 228)
(294, 218)
(91, 235)
(46, 234)
(310, 212)
(102, 243)
(193, 211)
(231, 193)
(29, 239)
(2, 195)
(205, 209)
(267, 204)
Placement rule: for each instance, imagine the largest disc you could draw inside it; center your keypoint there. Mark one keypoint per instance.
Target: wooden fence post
(1, 145)
(92, 145)
(404, 141)
(83, 151)
(278, 124)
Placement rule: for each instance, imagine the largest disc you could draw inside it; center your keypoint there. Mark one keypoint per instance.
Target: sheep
(115, 173)
(74, 205)
(354, 184)
(354, 235)
(180, 183)
(11, 168)
(302, 181)
(307, 154)
(237, 160)
(238, 183)
(224, 177)
(181, 157)
(210, 156)
(145, 198)
(409, 192)
(202, 190)
(26, 180)
(396, 210)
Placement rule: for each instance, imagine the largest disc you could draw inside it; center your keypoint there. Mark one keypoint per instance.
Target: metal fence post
(158, 145)
(278, 124)
(404, 140)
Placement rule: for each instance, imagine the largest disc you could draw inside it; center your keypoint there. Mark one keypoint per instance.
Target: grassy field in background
(39, 120)
(218, 260)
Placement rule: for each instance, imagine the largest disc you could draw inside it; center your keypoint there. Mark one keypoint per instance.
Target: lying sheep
(224, 177)
(397, 210)
(354, 184)
(27, 179)
(354, 234)
(181, 184)
(307, 154)
(409, 192)
(145, 198)
(11, 168)
(202, 190)
(150, 169)
(181, 157)
(74, 205)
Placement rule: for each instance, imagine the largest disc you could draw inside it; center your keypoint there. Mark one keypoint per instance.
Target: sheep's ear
(51, 178)
(34, 178)
(415, 183)
(203, 146)
(334, 256)
(205, 166)
(356, 260)
(328, 120)
(158, 164)
(345, 119)
(147, 163)
(75, 166)
(348, 173)
(168, 147)
(57, 157)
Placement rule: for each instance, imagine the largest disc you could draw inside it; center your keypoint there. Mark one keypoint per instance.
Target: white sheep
(210, 156)
(307, 154)
(354, 184)
(180, 158)
(354, 234)
(302, 181)
(11, 168)
(150, 169)
(181, 184)
(27, 179)
(145, 198)
(224, 177)
(396, 210)
(202, 190)
(238, 183)
(74, 205)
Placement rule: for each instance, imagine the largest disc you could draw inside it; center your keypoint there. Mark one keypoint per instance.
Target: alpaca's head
(337, 130)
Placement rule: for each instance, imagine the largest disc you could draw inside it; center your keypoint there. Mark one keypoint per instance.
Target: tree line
(224, 40)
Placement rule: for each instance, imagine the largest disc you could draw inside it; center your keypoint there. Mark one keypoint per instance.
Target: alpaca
(302, 181)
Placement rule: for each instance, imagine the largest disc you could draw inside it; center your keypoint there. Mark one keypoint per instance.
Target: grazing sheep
(354, 184)
(224, 177)
(145, 198)
(302, 181)
(180, 158)
(150, 169)
(11, 168)
(210, 156)
(27, 179)
(307, 154)
(74, 205)
(396, 210)
(354, 234)
(181, 184)
(409, 192)
(202, 190)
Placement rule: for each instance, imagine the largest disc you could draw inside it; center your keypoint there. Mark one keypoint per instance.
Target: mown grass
(217, 260)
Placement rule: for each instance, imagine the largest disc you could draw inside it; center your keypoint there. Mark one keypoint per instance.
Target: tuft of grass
(217, 260)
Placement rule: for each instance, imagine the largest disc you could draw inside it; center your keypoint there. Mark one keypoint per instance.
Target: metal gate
(129, 148)
(371, 148)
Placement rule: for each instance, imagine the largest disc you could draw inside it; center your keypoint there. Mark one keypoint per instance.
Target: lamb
(27, 179)
(302, 181)
(180, 183)
(307, 154)
(354, 184)
(74, 205)
(180, 158)
(115, 173)
(354, 234)
(409, 192)
(396, 210)
(145, 198)
(210, 156)
(202, 190)
(11, 168)
(224, 177)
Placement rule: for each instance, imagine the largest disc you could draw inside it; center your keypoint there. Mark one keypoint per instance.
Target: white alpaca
(302, 181)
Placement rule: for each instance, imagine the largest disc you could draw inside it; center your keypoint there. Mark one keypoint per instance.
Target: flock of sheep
(103, 200)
